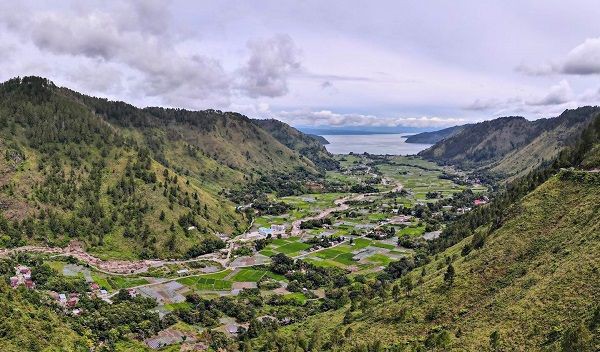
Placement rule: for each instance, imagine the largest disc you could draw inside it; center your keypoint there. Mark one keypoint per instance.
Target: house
(191, 228)
(62, 298)
(132, 293)
(72, 301)
(22, 277)
(94, 286)
(14, 281)
(277, 230)
(478, 202)
(29, 284)
(103, 292)
(265, 231)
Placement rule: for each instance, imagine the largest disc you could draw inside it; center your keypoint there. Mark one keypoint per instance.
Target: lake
(373, 144)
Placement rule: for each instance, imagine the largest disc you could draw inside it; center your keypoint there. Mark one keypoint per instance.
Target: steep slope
(127, 182)
(511, 146)
(435, 136)
(309, 146)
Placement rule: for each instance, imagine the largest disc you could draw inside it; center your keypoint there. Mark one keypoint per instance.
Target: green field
(248, 275)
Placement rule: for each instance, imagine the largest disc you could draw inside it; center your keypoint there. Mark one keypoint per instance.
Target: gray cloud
(139, 36)
(539, 70)
(558, 94)
(584, 59)
(267, 70)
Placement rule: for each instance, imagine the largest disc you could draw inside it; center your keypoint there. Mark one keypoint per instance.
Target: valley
(148, 229)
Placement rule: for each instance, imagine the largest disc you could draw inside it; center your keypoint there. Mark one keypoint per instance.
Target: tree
(396, 292)
(162, 215)
(495, 340)
(576, 339)
(449, 275)
(348, 317)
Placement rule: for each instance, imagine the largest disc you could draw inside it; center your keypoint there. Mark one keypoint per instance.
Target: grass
(411, 231)
(296, 296)
(119, 282)
(174, 306)
(101, 280)
(382, 245)
(293, 247)
(379, 258)
(208, 282)
(345, 258)
(248, 275)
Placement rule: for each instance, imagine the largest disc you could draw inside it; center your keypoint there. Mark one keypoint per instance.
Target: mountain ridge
(510, 146)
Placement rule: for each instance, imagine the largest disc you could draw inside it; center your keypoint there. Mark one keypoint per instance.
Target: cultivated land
(398, 183)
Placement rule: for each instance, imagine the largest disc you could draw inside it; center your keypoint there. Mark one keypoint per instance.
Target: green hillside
(129, 182)
(309, 146)
(521, 273)
(511, 146)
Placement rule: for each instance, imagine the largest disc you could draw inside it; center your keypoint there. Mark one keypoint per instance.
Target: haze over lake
(373, 144)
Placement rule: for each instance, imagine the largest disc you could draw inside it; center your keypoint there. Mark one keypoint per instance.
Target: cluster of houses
(70, 300)
(22, 277)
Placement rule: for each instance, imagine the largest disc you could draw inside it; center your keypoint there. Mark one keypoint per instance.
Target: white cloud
(330, 118)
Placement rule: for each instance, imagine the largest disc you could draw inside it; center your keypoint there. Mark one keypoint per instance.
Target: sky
(385, 64)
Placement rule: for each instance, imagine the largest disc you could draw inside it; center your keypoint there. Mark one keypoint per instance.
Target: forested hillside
(435, 136)
(129, 182)
(518, 274)
(511, 146)
(309, 146)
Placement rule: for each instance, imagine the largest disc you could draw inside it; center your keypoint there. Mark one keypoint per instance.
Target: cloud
(539, 70)
(149, 58)
(558, 94)
(267, 70)
(584, 59)
(329, 118)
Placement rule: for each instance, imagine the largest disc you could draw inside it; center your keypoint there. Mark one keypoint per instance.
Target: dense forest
(128, 182)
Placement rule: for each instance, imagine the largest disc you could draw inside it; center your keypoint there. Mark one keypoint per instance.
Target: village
(358, 233)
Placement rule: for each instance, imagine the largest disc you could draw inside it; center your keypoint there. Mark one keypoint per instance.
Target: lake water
(373, 144)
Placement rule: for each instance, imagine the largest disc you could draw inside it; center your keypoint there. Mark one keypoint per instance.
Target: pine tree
(495, 340)
(449, 275)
